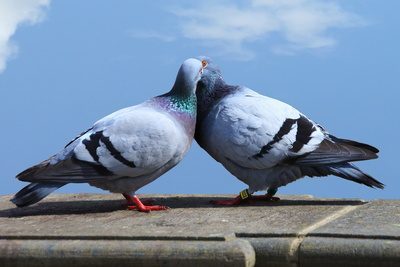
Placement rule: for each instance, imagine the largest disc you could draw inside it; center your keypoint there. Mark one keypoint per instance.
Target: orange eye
(204, 63)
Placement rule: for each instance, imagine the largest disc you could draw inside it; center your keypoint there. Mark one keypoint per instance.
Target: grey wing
(66, 167)
(65, 171)
(132, 143)
(258, 132)
(265, 139)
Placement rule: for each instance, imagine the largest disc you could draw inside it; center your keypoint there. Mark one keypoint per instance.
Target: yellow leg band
(244, 194)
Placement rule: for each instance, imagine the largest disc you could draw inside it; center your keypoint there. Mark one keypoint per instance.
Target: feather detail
(126, 149)
(267, 143)
(338, 151)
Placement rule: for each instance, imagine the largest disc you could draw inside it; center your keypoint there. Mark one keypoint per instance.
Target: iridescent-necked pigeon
(266, 143)
(125, 150)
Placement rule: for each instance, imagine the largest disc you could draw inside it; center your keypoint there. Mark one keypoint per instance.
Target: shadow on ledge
(106, 206)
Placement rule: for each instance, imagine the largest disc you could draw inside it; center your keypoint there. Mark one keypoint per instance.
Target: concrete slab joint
(296, 243)
(97, 230)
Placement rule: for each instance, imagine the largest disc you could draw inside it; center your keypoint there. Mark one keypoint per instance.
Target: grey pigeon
(266, 143)
(125, 150)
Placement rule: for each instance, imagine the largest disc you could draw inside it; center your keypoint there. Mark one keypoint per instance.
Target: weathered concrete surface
(378, 219)
(126, 253)
(317, 251)
(192, 216)
(298, 230)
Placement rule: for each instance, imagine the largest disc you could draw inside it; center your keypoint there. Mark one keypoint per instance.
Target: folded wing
(131, 142)
(255, 131)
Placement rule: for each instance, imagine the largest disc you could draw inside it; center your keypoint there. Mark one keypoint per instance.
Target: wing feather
(333, 152)
(255, 131)
(133, 142)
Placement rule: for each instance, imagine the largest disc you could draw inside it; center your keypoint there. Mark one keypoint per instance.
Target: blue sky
(65, 64)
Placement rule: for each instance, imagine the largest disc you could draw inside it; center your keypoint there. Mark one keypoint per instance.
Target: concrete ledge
(97, 230)
(323, 251)
(125, 252)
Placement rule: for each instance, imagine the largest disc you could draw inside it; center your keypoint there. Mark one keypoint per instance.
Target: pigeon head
(210, 89)
(211, 86)
(188, 75)
(210, 77)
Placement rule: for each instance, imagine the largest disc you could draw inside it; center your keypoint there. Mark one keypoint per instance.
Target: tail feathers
(32, 171)
(336, 151)
(350, 172)
(33, 193)
(70, 170)
(344, 170)
(355, 144)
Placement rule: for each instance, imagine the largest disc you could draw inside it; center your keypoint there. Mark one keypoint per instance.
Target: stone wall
(98, 230)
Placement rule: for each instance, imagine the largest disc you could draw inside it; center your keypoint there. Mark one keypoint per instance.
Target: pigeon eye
(204, 63)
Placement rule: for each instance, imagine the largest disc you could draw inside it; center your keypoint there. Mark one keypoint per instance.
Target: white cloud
(298, 24)
(12, 14)
(150, 34)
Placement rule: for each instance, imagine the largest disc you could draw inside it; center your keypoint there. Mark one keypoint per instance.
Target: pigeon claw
(130, 202)
(134, 203)
(145, 202)
(147, 208)
(266, 198)
(274, 198)
(238, 200)
(228, 202)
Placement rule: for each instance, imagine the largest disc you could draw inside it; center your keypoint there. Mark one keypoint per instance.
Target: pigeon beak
(204, 63)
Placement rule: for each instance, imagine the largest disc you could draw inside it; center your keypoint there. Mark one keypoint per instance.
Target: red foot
(274, 198)
(266, 198)
(148, 201)
(230, 202)
(238, 200)
(147, 208)
(145, 202)
(134, 203)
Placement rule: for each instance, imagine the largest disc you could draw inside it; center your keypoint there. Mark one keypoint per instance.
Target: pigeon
(266, 143)
(125, 150)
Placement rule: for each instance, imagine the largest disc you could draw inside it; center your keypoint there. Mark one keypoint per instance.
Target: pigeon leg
(147, 201)
(134, 203)
(229, 202)
(240, 199)
(266, 197)
(269, 196)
